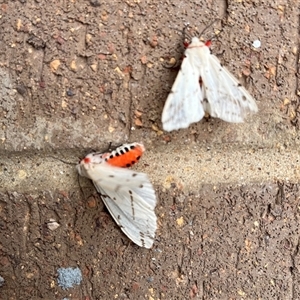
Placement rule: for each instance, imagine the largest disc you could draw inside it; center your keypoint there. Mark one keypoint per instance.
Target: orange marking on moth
(86, 160)
(186, 44)
(128, 158)
(208, 43)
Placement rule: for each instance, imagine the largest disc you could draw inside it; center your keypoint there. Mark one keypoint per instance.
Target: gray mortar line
(189, 167)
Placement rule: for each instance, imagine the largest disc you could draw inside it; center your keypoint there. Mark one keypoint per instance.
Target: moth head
(89, 163)
(93, 158)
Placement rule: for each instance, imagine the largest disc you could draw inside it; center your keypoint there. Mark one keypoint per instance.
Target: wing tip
(168, 126)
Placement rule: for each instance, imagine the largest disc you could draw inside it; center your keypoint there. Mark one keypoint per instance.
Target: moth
(128, 195)
(204, 85)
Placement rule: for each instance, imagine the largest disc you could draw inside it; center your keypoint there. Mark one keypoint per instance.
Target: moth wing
(227, 98)
(130, 198)
(184, 103)
(106, 175)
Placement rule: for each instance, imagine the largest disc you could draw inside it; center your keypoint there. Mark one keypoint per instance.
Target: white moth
(128, 195)
(204, 85)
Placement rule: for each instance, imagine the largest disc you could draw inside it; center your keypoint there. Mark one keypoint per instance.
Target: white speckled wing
(203, 85)
(130, 198)
(184, 103)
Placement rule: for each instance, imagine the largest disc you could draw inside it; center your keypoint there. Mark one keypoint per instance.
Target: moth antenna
(89, 150)
(65, 162)
(109, 147)
(209, 25)
(213, 37)
(183, 31)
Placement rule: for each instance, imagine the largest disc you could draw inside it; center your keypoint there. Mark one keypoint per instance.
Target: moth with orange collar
(128, 195)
